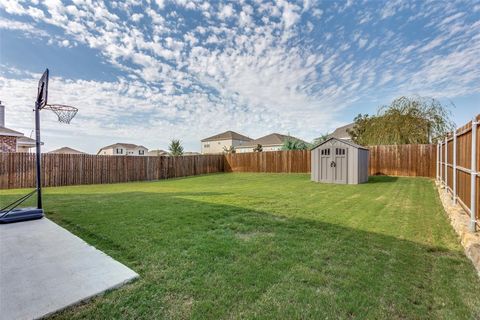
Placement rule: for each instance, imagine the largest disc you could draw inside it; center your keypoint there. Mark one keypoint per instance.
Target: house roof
(349, 142)
(273, 139)
(158, 152)
(125, 145)
(341, 132)
(66, 150)
(228, 135)
(26, 142)
(4, 131)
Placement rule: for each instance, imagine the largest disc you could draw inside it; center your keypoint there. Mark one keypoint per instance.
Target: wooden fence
(414, 160)
(277, 161)
(17, 170)
(400, 160)
(457, 167)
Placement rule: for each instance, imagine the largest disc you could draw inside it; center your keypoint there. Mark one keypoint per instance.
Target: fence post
(446, 162)
(438, 162)
(454, 175)
(473, 177)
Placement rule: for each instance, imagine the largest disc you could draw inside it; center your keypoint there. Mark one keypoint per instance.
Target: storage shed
(339, 161)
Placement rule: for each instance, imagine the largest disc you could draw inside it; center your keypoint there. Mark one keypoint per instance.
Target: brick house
(11, 140)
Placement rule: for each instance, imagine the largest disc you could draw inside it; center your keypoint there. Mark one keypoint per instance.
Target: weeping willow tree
(407, 120)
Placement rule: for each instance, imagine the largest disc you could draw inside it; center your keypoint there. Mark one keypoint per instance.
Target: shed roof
(228, 135)
(350, 143)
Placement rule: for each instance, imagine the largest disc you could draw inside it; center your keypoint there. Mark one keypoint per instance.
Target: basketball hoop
(64, 113)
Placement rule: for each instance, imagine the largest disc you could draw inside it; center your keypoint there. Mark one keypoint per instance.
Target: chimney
(2, 115)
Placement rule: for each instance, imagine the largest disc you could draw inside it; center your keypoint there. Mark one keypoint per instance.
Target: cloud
(192, 68)
(226, 12)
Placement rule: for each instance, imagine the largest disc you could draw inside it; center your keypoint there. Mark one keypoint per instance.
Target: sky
(148, 71)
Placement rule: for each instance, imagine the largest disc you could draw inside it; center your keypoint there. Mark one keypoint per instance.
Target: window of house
(141, 152)
(325, 152)
(206, 145)
(119, 151)
(339, 151)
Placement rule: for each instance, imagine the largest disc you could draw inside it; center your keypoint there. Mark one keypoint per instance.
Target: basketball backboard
(42, 94)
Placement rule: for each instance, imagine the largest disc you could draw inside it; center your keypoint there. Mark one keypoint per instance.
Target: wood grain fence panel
(17, 170)
(401, 160)
(467, 175)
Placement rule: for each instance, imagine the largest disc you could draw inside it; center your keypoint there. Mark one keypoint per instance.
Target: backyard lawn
(269, 246)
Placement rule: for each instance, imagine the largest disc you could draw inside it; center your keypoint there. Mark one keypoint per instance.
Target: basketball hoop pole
(38, 155)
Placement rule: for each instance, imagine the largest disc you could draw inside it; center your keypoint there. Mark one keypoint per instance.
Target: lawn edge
(460, 221)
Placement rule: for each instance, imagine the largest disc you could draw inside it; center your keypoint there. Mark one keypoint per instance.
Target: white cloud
(253, 69)
(226, 12)
(136, 17)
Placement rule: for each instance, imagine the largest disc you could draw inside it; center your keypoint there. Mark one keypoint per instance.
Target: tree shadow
(378, 178)
(199, 259)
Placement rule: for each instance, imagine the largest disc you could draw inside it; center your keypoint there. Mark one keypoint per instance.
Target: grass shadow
(378, 178)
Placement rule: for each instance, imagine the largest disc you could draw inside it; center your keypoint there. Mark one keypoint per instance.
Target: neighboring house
(11, 140)
(25, 144)
(341, 132)
(66, 150)
(123, 149)
(191, 153)
(271, 142)
(225, 140)
(155, 153)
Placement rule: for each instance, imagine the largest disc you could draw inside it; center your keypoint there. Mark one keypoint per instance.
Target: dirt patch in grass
(248, 236)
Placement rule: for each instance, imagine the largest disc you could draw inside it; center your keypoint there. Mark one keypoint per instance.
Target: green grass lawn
(269, 246)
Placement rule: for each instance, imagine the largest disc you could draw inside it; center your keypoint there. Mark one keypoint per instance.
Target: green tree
(230, 149)
(175, 148)
(320, 139)
(294, 144)
(407, 120)
(258, 148)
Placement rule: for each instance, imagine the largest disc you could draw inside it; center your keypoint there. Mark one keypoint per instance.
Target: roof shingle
(228, 135)
(272, 139)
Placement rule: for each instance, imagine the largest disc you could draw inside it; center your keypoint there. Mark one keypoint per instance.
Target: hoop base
(23, 214)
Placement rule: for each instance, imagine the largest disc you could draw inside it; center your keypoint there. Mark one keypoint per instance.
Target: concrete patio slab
(44, 269)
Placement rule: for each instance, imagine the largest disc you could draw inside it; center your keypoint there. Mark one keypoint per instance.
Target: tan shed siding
(356, 166)
(352, 170)
(314, 161)
(362, 166)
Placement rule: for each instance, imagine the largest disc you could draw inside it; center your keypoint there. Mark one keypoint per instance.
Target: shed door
(325, 171)
(340, 165)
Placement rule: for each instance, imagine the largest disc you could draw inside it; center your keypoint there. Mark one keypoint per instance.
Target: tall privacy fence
(457, 167)
(17, 170)
(417, 160)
